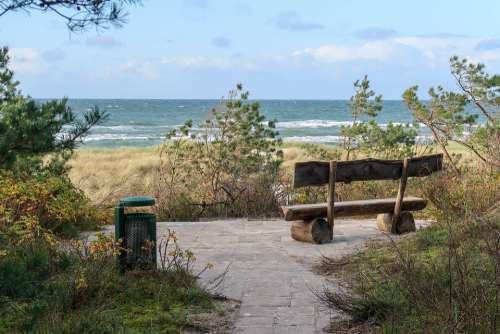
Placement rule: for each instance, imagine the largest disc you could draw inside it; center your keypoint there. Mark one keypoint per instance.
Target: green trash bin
(137, 232)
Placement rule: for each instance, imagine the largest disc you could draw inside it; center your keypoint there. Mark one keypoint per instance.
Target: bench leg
(404, 224)
(315, 231)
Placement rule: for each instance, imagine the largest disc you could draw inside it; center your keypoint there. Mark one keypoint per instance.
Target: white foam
(315, 139)
(423, 139)
(130, 127)
(110, 136)
(324, 123)
(338, 139)
(312, 123)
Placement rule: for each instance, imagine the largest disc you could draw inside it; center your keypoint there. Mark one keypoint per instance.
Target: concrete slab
(268, 271)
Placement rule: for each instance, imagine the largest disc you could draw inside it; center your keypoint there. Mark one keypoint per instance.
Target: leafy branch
(78, 14)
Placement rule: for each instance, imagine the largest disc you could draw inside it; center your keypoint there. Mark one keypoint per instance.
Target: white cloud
(26, 60)
(195, 61)
(337, 53)
(488, 44)
(436, 48)
(432, 49)
(53, 55)
(236, 61)
(146, 69)
(394, 62)
(488, 56)
(154, 68)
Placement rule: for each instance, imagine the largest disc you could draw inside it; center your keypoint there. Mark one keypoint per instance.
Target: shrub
(366, 136)
(42, 206)
(443, 279)
(77, 287)
(448, 119)
(229, 167)
(456, 200)
(29, 131)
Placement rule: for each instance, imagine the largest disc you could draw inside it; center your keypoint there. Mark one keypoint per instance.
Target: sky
(280, 49)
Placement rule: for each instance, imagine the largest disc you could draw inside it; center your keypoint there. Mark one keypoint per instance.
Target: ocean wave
(339, 139)
(423, 139)
(312, 123)
(304, 139)
(305, 124)
(117, 137)
(323, 123)
(141, 123)
(315, 139)
(131, 127)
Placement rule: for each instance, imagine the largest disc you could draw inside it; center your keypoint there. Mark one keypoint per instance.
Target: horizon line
(194, 99)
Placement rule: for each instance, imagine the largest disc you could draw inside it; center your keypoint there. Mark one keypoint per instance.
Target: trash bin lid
(136, 201)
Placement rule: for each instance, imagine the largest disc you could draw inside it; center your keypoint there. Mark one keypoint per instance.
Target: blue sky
(278, 49)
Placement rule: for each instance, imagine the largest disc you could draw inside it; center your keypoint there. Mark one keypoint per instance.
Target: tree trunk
(404, 224)
(316, 231)
(445, 151)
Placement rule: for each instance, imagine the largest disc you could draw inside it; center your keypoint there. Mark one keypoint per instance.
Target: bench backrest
(316, 173)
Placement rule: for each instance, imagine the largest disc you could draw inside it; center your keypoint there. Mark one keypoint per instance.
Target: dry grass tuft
(328, 266)
(108, 174)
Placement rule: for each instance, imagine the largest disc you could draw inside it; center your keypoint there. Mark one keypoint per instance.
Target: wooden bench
(393, 213)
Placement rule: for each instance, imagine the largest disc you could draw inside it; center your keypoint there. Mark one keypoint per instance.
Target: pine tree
(30, 130)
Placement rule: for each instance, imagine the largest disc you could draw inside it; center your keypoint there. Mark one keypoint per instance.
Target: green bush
(44, 205)
(77, 287)
(396, 141)
(229, 167)
(54, 285)
(442, 279)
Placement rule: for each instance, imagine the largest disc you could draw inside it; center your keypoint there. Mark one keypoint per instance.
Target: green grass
(51, 283)
(442, 279)
(95, 297)
(408, 292)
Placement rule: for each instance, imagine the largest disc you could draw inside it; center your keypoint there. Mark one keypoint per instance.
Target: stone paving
(269, 272)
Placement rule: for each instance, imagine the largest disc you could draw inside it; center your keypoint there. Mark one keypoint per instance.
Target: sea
(140, 123)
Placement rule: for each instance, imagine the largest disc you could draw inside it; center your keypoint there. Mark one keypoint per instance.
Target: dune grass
(106, 175)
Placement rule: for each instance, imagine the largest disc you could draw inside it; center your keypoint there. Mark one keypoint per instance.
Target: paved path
(269, 272)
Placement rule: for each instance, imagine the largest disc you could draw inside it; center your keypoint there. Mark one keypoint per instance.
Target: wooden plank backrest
(316, 173)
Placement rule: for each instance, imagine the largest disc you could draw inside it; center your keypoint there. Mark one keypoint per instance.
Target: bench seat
(351, 208)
